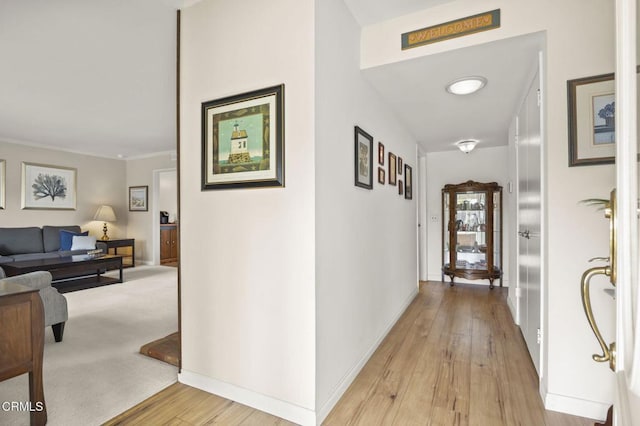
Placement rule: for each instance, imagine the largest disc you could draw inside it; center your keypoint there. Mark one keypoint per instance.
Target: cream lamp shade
(105, 214)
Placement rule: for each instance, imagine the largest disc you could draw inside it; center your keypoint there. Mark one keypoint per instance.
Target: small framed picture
(363, 167)
(392, 169)
(138, 198)
(48, 187)
(380, 153)
(408, 182)
(400, 187)
(399, 165)
(381, 175)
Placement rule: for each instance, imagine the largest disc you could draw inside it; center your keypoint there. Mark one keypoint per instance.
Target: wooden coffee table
(71, 273)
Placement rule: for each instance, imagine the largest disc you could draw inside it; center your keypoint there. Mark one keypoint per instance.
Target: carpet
(166, 349)
(96, 372)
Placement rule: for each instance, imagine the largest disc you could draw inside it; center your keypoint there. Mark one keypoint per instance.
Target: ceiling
(415, 90)
(89, 76)
(98, 77)
(369, 12)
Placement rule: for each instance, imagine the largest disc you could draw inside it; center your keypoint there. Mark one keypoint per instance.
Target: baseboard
(514, 311)
(283, 409)
(576, 406)
(286, 410)
(346, 381)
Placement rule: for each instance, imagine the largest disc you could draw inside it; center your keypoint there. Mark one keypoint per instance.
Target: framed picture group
(363, 165)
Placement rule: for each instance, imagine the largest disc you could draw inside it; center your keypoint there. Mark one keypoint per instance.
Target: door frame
(628, 344)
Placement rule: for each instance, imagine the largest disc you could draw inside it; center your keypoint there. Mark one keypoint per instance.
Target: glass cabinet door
(497, 227)
(470, 230)
(446, 205)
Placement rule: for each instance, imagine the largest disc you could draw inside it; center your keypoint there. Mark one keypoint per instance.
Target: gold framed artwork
(393, 163)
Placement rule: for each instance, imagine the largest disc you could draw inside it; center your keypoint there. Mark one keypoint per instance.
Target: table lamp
(105, 214)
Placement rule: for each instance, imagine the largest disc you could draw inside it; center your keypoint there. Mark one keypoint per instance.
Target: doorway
(165, 199)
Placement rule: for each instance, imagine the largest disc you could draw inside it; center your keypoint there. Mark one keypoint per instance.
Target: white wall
(99, 181)
(366, 240)
(142, 224)
(572, 382)
(168, 193)
(248, 255)
(481, 165)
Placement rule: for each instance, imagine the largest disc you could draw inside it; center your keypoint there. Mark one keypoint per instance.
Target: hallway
(454, 358)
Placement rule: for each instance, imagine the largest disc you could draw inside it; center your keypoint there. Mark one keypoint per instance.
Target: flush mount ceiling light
(467, 145)
(466, 85)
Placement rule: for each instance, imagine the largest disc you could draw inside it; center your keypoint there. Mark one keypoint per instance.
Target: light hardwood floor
(454, 358)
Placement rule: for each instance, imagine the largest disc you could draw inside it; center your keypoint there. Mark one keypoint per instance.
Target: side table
(22, 337)
(127, 250)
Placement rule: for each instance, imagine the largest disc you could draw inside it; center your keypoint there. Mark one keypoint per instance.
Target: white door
(627, 401)
(529, 219)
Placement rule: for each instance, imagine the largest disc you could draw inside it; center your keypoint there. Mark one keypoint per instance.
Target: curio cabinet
(472, 231)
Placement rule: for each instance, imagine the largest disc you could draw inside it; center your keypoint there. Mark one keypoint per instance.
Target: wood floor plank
(433, 372)
(353, 409)
(259, 418)
(454, 358)
(176, 395)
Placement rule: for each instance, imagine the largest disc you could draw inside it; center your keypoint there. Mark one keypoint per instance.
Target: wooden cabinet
(22, 344)
(168, 243)
(472, 231)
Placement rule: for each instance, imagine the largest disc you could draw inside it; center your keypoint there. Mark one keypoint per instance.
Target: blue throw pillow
(66, 239)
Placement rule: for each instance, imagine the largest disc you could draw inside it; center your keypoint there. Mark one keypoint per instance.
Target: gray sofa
(55, 304)
(36, 243)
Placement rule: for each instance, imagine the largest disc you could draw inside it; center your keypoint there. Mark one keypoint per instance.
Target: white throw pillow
(81, 242)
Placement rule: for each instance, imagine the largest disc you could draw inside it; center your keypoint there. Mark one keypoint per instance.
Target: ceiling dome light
(467, 145)
(466, 85)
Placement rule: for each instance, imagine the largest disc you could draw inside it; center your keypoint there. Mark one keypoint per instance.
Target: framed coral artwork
(48, 187)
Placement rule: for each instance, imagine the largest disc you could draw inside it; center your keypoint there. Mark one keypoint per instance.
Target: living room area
(71, 119)
(97, 371)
